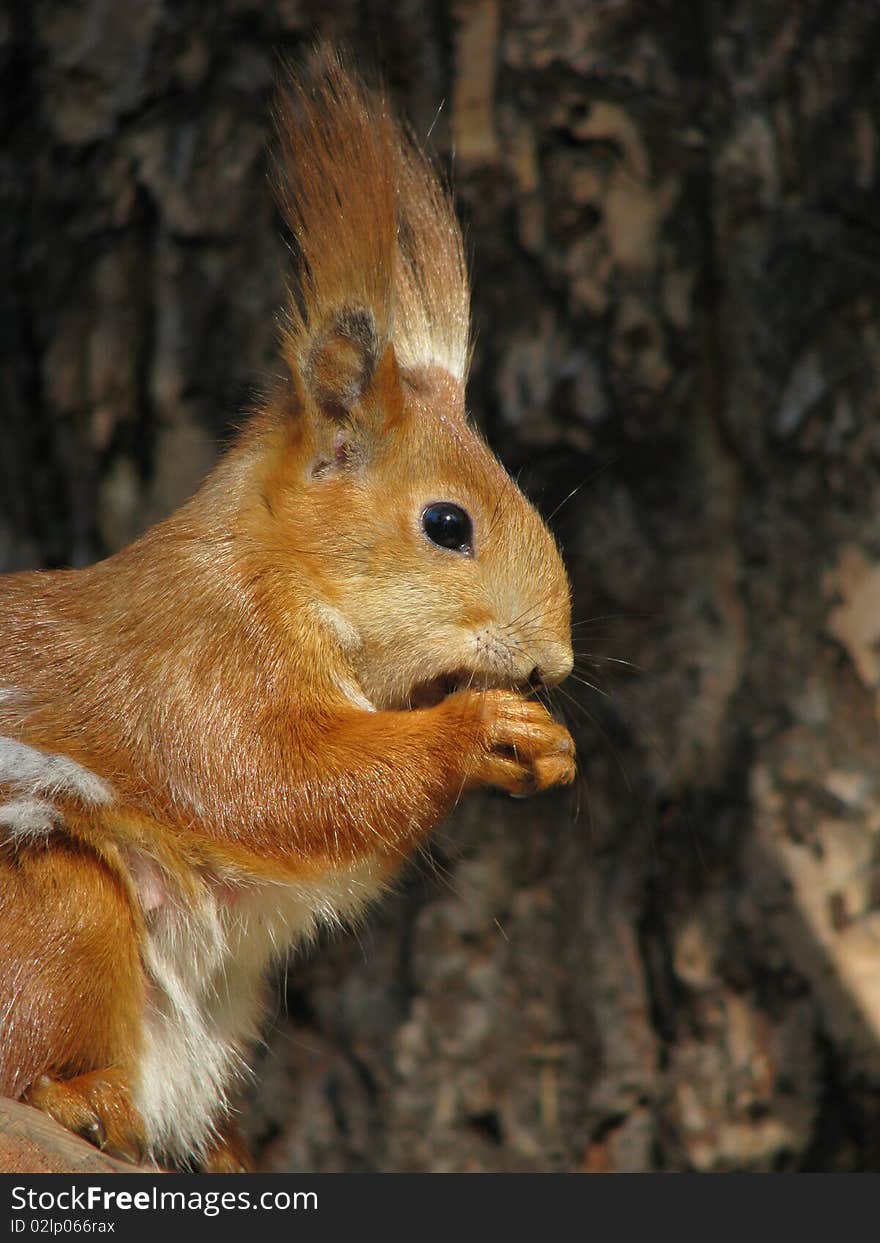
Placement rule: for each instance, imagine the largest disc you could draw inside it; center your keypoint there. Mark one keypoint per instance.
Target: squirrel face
(436, 573)
(491, 611)
(376, 347)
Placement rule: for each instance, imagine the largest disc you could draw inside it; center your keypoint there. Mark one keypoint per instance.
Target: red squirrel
(236, 729)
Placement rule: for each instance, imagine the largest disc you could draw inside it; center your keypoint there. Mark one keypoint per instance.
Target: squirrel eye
(448, 526)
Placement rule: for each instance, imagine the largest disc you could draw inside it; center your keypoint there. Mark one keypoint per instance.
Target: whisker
(576, 704)
(592, 686)
(588, 478)
(464, 779)
(608, 660)
(604, 733)
(563, 503)
(531, 613)
(495, 513)
(589, 621)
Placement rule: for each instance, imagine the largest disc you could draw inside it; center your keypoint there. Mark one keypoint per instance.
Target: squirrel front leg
(388, 777)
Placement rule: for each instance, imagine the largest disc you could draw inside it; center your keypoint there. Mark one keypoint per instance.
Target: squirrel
(236, 729)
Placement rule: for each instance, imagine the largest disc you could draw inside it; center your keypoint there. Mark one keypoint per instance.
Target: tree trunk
(673, 211)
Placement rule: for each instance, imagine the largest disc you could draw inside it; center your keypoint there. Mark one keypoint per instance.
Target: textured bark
(673, 214)
(33, 1143)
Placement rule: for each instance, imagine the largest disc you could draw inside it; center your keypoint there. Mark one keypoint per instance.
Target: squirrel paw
(527, 750)
(98, 1107)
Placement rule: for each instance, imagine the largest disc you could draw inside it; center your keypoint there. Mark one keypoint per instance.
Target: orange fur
(230, 1154)
(285, 679)
(70, 959)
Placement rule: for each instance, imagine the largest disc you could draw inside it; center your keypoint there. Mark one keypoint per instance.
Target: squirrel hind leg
(97, 1106)
(71, 992)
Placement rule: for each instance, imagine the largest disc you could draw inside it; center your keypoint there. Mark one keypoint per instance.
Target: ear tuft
(342, 362)
(371, 227)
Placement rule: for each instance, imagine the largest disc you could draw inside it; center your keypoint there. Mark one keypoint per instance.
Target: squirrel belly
(237, 729)
(206, 965)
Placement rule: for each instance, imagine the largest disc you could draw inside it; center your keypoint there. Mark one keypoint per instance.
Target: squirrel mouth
(435, 690)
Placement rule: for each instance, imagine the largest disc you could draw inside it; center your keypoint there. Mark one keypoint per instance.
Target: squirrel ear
(354, 391)
(342, 362)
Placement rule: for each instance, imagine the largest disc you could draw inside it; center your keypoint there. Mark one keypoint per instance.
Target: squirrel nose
(556, 665)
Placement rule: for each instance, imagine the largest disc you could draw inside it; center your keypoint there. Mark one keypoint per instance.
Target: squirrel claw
(96, 1106)
(94, 1131)
(528, 786)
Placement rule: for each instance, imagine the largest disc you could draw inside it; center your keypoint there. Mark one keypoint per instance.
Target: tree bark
(33, 1143)
(673, 215)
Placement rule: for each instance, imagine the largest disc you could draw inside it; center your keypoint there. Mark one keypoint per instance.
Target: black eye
(448, 526)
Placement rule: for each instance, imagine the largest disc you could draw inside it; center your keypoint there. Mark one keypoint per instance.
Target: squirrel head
(419, 554)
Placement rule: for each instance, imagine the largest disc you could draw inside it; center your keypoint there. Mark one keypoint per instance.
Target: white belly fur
(206, 965)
